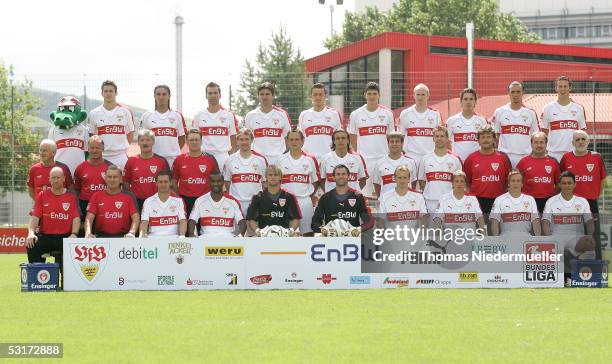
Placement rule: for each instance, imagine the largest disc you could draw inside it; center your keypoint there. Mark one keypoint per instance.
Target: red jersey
(113, 212)
(487, 173)
(539, 175)
(89, 179)
(55, 212)
(38, 176)
(589, 170)
(192, 173)
(140, 174)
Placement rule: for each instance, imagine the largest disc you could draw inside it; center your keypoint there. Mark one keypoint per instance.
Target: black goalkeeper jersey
(350, 207)
(277, 209)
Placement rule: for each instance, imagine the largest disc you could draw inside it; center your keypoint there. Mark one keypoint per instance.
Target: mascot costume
(69, 133)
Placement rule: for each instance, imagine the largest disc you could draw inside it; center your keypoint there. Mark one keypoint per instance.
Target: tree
(433, 17)
(283, 65)
(25, 143)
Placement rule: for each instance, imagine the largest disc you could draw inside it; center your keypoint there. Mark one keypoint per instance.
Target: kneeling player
(274, 206)
(342, 203)
(456, 210)
(514, 212)
(401, 206)
(163, 214)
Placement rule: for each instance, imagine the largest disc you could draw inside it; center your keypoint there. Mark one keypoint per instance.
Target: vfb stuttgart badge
(89, 260)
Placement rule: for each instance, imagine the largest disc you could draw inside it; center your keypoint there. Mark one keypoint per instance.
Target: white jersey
(245, 175)
(463, 134)
(402, 210)
(371, 129)
(567, 216)
(384, 172)
(113, 127)
(515, 128)
(269, 130)
(458, 213)
(167, 127)
(163, 217)
(216, 218)
(299, 174)
(514, 214)
(437, 173)
(418, 130)
(216, 129)
(318, 128)
(561, 122)
(353, 161)
(71, 145)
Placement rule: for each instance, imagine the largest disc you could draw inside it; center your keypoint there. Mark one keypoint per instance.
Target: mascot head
(68, 113)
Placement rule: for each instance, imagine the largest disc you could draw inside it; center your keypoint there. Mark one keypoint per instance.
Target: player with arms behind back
(318, 123)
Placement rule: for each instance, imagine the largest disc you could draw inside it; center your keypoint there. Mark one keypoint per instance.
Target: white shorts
(272, 159)
(244, 206)
(417, 158)
(557, 155)
(221, 158)
(371, 163)
(170, 161)
(515, 158)
(117, 159)
(307, 211)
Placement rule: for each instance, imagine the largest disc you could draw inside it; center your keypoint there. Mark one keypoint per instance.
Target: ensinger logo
(224, 251)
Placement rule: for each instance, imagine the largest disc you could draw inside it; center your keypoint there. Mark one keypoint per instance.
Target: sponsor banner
(12, 240)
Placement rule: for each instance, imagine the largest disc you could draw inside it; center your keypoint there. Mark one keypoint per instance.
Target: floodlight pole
(178, 21)
(469, 34)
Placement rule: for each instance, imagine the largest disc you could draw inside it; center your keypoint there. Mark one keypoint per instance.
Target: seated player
(162, 213)
(514, 212)
(456, 210)
(401, 206)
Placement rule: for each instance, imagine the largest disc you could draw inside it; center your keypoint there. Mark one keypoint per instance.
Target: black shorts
(541, 202)
(486, 204)
(47, 244)
(189, 202)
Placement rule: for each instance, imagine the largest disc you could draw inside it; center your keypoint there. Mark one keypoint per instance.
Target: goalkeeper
(342, 203)
(274, 206)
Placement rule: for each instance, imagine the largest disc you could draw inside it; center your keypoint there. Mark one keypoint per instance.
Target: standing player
(456, 210)
(38, 175)
(140, 170)
(513, 124)
(417, 124)
(217, 125)
(368, 128)
(191, 170)
(217, 214)
(167, 125)
(341, 154)
(89, 175)
(436, 170)
(113, 210)
(486, 170)
(384, 173)
(541, 172)
(114, 123)
(71, 143)
(270, 125)
(561, 118)
(401, 206)
(162, 213)
(515, 212)
(244, 171)
(463, 127)
(300, 177)
(318, 123)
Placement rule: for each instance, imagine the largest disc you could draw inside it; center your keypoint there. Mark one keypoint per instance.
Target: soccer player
(140, 170)
(217, 125)
(71, 143)
(244, 171)
(417, 123)
(402, 206)
(436, 170)
(561, 118)
(300, 177)
(270, 125)
(56, 216)
(384, 173)
(318, 123)
(274, 206)
(191, 170)
(368, 128)
(463, 127)
(456, 210)
(114, 123)
(38, 175)
(342, 202)
(89, 175)
(541, 172)
(114, 211)
(216, 213)
(486, 170)
(162, 213)
(341, 154)
(167, 125)
(514, 212)
(514, 123)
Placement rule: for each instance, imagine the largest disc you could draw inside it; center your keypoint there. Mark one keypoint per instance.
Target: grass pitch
(408, 325)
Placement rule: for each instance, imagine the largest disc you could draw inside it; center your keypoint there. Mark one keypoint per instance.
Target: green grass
(487, 325)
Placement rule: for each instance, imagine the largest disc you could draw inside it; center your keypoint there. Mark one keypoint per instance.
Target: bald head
(57, 178)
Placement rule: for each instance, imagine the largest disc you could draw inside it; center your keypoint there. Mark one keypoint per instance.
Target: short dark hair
(215, 173)
(563, 78)
(341, 166)
(295, 130)
(486, 129)
(212, 84)
(163, 172)
(372, 86)
(468, 90)
(318, 85)
(266, 86)
(108, 83)
(568, 174)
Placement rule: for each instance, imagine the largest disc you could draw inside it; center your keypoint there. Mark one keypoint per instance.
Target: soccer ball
(272, 231)
(340, 227)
